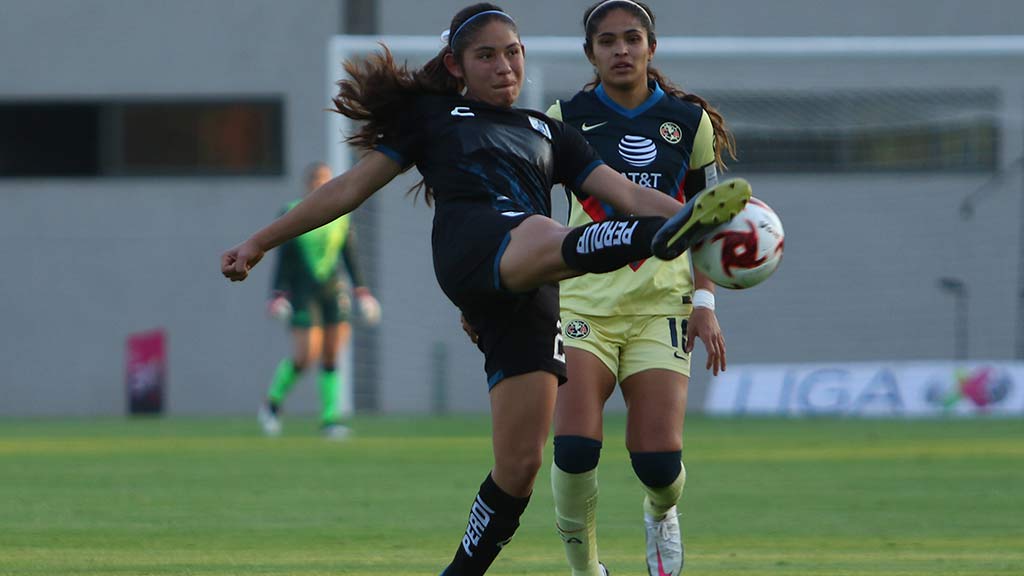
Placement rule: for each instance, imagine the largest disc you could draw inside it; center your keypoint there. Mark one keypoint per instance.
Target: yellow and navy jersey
(667, 144)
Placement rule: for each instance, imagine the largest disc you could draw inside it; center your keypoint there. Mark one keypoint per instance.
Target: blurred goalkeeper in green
(311, 292)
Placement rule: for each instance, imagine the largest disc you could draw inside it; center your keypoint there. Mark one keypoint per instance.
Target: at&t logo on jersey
(639, 151)
(577, 329)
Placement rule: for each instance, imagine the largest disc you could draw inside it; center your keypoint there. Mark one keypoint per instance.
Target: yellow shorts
(630, 344)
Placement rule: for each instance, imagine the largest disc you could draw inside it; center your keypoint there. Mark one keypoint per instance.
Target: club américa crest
(577, 329)
(671, 133)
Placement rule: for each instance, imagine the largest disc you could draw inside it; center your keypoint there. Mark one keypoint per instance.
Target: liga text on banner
(899, 389)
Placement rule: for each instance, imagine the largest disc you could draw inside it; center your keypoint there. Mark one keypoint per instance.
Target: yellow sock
(658, 501)
(576, 518)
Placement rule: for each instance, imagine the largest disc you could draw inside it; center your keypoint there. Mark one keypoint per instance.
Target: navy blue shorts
(519, 332)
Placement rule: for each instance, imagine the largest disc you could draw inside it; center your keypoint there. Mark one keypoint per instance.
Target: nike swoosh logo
(586, 128)
(677, 355)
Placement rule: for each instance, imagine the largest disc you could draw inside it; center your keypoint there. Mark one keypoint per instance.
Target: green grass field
(204, 497)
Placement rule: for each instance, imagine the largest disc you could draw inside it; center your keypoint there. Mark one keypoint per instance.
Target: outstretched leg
(541, 251)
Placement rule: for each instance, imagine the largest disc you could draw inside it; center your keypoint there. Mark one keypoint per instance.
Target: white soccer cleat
(664, 544)
(269, 421)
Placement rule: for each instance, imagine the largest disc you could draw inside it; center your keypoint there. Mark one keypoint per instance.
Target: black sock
(611, 244)
(493, 520)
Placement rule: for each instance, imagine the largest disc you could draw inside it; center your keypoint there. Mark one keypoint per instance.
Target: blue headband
(451, 39)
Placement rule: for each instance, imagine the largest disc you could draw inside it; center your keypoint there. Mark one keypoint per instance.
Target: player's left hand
(369, 307)
(703, 324)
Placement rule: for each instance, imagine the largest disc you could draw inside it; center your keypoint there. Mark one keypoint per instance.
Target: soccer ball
(744, 251)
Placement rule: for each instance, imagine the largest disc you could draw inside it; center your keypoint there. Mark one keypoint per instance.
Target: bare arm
(609, 186)
(337, 197)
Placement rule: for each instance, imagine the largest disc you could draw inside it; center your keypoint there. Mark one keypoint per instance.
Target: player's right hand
(236, 262)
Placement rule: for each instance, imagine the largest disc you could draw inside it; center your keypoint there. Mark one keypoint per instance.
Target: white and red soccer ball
(744, 251)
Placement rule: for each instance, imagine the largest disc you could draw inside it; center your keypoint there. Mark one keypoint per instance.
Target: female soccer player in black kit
(489, 169)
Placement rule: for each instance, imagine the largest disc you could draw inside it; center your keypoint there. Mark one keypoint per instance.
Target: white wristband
(704, 299)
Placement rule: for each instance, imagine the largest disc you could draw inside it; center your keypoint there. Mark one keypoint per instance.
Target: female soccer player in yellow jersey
(635, 326)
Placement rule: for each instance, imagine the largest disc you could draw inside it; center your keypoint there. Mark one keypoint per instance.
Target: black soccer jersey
(489, 168)
(667, 144)
(469, 151)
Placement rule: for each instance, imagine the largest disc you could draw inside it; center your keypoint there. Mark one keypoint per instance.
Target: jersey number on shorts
(559, 344)
(677, 332)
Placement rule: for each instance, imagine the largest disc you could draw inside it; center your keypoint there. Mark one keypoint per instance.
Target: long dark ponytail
(724, 141)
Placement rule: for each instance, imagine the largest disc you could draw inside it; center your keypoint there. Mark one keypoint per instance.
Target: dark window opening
(49, 140)
(142, 138)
